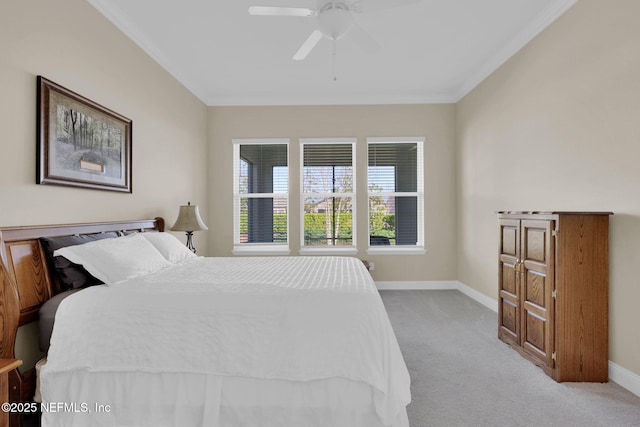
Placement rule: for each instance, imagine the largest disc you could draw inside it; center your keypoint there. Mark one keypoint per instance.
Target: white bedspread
(288, 318)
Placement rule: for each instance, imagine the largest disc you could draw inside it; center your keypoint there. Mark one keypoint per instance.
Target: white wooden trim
(329, 250)
(624, 377)
(441, 285)
(270, 249)
(177, 69)
(396, 250)
(262, 141)
(394, 140)
(237, 196)
(488, 302)
(350, 250)
(526, 34)
(329, 140)
(421, 285)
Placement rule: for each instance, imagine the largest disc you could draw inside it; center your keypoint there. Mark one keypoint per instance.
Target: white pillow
(117, 259)
(169, 246)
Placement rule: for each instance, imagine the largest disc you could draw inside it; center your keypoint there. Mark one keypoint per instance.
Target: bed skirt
(173, 399)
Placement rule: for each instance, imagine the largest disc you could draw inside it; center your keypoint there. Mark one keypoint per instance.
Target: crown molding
(346, 98)
(528, 33)
(128, 29)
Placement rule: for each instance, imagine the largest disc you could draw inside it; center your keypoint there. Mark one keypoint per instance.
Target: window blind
(261, 190)
(328, 192)
(395, 192)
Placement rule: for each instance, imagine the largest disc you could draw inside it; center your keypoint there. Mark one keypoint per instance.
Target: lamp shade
(189, 219)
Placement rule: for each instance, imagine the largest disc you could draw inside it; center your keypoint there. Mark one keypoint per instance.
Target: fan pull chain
(334, 60)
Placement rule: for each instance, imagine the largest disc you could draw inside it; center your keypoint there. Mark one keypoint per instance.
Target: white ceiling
(431, 51)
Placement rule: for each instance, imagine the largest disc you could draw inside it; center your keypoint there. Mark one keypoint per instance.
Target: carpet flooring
(462, 375)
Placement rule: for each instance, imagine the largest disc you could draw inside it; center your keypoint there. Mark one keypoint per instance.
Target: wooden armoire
(554, 291)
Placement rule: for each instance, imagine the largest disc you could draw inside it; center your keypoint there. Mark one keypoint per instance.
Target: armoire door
(536, 286)
(509, 311)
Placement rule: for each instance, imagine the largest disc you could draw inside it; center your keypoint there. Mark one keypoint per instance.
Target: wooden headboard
(27, 281)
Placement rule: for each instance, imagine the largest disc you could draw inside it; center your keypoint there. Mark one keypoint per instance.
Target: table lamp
(189, 220)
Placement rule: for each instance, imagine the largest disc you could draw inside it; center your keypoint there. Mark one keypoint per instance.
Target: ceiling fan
(334, 19)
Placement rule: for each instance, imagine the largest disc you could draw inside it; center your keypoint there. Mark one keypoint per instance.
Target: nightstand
(6, 365)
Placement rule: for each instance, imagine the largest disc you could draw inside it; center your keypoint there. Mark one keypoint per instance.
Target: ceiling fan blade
(363, 39)
(361, 6)
(308, 45)
(280, 11)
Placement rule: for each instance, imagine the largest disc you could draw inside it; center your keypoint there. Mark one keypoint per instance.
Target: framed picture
(81, 143)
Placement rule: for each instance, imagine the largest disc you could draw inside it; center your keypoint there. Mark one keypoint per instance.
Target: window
(396, 197)
(328, 196)
(261, 196)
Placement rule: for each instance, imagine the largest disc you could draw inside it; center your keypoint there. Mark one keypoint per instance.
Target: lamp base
(190, 241)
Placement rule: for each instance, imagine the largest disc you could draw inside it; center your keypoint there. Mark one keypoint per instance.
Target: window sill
(258, 249)
(396, 250)
(334, 250)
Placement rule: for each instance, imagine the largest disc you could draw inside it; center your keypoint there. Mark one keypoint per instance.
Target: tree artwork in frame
(81, 143)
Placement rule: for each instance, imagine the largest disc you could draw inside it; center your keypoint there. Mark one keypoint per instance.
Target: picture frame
(81, 143)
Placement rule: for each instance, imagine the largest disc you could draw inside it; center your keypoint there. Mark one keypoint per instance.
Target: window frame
(419, 247)
(351, 249)
(266, 248)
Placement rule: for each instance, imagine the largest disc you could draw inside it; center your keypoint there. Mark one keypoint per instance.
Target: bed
(185, 340)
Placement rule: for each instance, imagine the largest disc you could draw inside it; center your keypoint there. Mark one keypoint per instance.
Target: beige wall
(434, 122)
(70, 43)
(557, 128)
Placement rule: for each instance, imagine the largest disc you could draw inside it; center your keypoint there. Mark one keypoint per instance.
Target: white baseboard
(488, 302)
(619, 375)
(423, 285)
(441, 285)
(624, 378)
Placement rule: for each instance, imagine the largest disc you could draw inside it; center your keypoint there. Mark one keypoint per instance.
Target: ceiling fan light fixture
(334, 20)
(280, 11)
